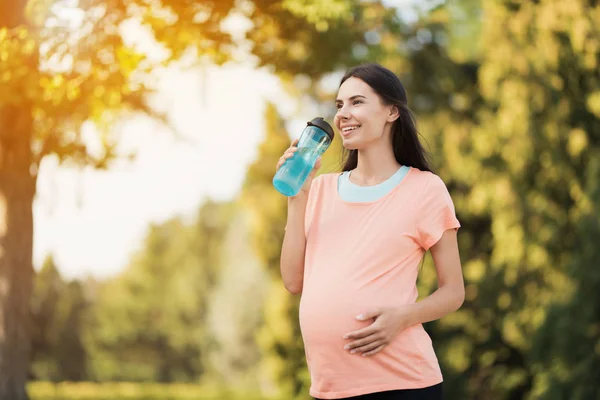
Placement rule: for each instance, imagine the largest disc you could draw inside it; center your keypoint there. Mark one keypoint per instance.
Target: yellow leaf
(22, 32)
(114, 99)
(593, 103)
(99, 91)
(73, 93)
(29, 47)
(504, 301)
(38, 10)
(57, 81)
(474, 270)
(322, 26)
(577, 142)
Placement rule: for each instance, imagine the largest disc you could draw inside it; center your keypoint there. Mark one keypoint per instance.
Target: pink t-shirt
(365, 255)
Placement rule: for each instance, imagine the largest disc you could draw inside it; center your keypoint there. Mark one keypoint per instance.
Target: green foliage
(98, 77)
(235, 310)
(267, 207)
(65, 64)
(315, 38)
(514, 136)
(512, 121)
(283, 363)
(48, 287)
(72, 355)
(150, 322)
(66, 79)
(567, 345)
(279, 338)
(58, 316)
(136, 391)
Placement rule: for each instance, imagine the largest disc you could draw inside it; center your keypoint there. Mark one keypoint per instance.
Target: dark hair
(405, 137)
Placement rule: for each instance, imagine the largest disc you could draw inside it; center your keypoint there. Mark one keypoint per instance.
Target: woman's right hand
(288, 154)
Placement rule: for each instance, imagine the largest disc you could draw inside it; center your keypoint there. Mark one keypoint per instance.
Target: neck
(376, 163)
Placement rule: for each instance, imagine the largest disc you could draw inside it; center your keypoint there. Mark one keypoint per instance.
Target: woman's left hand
(373, 338)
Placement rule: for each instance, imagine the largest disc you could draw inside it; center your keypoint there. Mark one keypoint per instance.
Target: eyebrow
(351, 98)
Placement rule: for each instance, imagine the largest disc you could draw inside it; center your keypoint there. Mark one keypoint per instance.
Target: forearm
(443, 301)
(294, 246)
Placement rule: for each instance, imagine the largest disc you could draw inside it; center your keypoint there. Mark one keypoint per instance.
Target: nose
(342, 112)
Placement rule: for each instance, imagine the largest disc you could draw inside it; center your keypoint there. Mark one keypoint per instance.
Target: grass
(133, 391)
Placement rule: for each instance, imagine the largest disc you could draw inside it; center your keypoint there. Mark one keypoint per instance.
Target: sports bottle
(314, 140)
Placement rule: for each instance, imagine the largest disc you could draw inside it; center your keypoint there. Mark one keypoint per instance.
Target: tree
(440, 72)
(150, 322)
(47, 292)
(58, 319)
(41, 112)
(566, 346)
(235, 310)
(517, 148)
(280, 339)
(513, 127)
(72, 356)
(53, 80)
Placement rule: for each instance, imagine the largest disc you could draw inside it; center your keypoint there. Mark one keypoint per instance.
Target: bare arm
(294, 242)
(294, 245)
(389, 321)
(450, 294)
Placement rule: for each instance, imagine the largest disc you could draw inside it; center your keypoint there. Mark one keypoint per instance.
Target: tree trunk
(17, 190)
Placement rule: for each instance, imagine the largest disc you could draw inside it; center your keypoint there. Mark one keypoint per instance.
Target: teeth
(349, 128)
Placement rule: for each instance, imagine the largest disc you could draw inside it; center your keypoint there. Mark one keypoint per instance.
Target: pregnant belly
(327, 315)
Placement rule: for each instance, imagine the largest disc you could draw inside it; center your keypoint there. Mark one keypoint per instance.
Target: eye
(355, 102)
(338, 105)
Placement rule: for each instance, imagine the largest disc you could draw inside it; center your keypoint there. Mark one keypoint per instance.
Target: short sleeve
(435, 213)
(311, 203)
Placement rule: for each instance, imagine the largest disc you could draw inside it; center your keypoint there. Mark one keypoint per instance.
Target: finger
(317, 164)
(362, 342)
(362, 333)
(369, 314)
(295, 141)
(374, 351)
(281, 161)
(368, 347)
(288, 154)
(315, 168)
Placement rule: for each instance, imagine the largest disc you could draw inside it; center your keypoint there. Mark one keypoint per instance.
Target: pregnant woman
(353, 245)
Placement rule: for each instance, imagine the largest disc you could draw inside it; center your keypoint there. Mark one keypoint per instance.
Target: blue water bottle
(314, 140)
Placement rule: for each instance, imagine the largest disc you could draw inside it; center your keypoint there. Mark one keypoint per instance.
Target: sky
(91, 222)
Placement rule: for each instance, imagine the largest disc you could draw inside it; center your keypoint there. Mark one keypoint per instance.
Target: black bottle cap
(319, 122)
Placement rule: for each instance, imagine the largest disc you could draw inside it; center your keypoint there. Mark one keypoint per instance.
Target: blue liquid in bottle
(315, 139)
(293, 174)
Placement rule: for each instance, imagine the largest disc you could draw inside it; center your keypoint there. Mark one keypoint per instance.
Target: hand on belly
(328, 320)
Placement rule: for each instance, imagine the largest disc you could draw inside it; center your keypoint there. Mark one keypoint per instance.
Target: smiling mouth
(348, 129)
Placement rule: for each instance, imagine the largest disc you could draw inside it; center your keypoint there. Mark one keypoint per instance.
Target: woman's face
(361, 116)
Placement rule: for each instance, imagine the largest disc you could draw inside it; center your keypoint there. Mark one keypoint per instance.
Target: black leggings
(428, 393)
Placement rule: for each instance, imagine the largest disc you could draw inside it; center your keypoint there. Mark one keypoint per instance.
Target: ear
(393, 114)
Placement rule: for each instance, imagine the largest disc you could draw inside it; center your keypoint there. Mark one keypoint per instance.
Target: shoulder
(324, 179)
(322, 184)
(320, 189)
(428, 182)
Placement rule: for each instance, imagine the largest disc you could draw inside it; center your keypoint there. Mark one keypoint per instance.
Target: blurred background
(140, 232)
